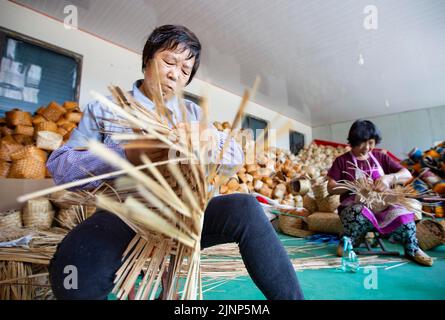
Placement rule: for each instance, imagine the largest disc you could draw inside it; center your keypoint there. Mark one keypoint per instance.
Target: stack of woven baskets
(26, 140)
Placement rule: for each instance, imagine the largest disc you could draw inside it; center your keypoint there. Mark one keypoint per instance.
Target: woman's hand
(383, 183)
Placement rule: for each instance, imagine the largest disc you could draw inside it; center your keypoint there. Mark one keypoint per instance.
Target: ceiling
(317, 62)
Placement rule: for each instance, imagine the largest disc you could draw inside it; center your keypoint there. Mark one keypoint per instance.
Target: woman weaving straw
(364, 163)
(96, 245)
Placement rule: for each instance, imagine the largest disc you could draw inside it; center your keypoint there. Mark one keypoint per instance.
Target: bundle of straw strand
(164, 204)
(364, 190)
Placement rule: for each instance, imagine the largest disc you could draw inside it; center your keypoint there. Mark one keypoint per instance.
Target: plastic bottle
(349, 261)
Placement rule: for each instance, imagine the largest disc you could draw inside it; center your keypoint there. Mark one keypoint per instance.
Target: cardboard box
(11, 189)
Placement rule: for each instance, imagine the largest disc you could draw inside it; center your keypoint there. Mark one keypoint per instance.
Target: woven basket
(25, 130)
(320, 190)
(10, 219)
(292, 222)
(8, 146)
(48, 140)
(309, 203)
(23, 140)
(38, 119)
(329, 204)
(73, 116)
(17, 117)
(46, 126)
(71, 105)
(5, 131)
(63, 132)
(325, 222)
(53, 112)
(27, 169)
(69, 126)
(30, 152)
(300, 186)
(4, 168)
(38, 213)
(430, 234)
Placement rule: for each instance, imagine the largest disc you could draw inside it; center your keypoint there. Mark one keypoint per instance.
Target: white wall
(105, 63)
(401, 131)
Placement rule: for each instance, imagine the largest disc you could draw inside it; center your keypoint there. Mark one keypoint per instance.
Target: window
(34, 73)
(296, 141)
(251, 122)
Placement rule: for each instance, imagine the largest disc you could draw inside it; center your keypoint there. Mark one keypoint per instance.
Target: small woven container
(38, 213)
(17, 117)
(62, 132)
(23, 140)
(10, 219)
(329, 204)
(27, 169)
(71, 105)
(309, 203)
(325, 222)
(30, 152)
(430, 234)
(69, 126)
(25, 130)
(4, 168)
(292, 222)
(46, 126)
(48, 140)
(62, 121)
(5, 131)
(38, 119)
(320, 190)
(300, 186)
(73, 116)
(53, 112)
(8, 146)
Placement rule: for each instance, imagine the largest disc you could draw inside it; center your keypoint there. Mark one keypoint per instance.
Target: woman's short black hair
(169, 37)
(362, 131)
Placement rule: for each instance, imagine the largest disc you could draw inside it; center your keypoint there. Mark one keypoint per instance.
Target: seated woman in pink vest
(358, 219)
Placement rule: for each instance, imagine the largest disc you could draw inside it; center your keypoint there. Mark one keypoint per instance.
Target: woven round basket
(325, 222)
(320, 190)
(10, 219)
(430, 234)
(309, 203)
(329, 204)
(300, 186)
(292, 220)
(38, 213)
